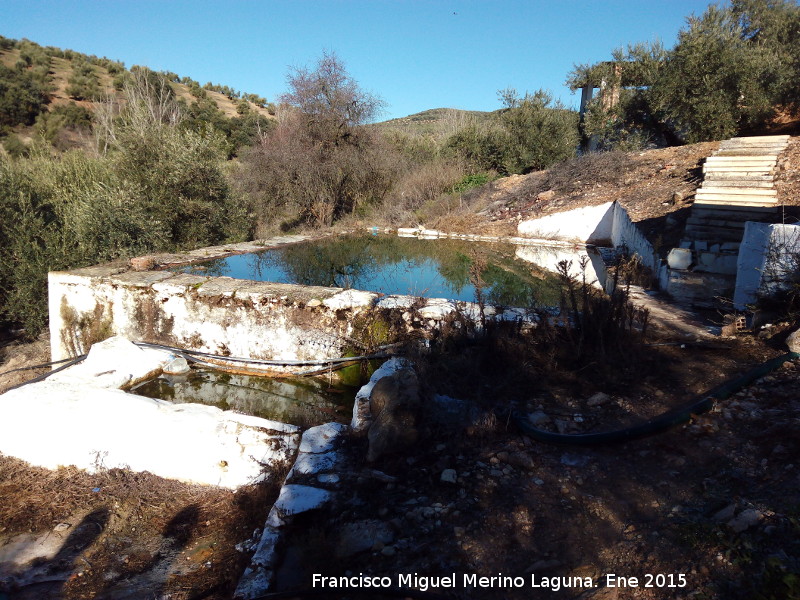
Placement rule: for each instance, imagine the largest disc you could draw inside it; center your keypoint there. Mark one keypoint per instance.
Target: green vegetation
(153, 186)
(732, 70)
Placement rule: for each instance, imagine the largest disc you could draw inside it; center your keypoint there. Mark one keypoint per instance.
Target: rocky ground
(713, 503)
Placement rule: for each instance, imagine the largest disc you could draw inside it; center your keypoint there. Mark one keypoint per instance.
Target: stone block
(679, 258)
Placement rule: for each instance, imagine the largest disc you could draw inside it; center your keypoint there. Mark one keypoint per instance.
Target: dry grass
(151, 535)
(18, 355)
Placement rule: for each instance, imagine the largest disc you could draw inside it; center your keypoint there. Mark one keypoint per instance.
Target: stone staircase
(738, 186)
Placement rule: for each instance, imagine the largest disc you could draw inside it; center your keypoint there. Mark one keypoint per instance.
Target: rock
(546, 196)
(540, 566)
(449, 476)
(745, 520)
(394, 404)
(793, 341)
(314, 302)
(521, 460)
(389, 551)
(295, 499)
(361, 536)
(679, 258)
(177, 366)
(142, 263)
(726, 514)
(538, 418)
(321, 438)
(598, 399)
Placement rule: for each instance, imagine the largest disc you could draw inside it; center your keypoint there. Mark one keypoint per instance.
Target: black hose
(673, 417)
(72, 361)
(34, 367)
(259, 361)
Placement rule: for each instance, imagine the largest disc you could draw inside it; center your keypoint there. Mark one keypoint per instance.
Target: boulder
(793, 341)
(394, 404)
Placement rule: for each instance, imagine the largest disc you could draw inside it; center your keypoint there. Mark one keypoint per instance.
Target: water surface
(303, 402)
(386, 264)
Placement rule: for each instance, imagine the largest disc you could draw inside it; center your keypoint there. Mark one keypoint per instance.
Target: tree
(730, 70)
(330, 102)
(320, 161)
(540, 132)
(715, 83)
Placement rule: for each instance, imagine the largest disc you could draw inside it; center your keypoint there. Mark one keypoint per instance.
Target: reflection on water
(388, 264)
(303, 402)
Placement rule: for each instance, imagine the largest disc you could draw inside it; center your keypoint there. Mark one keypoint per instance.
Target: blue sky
(415, 54)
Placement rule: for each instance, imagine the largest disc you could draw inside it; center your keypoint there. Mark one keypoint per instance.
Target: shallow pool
(302, 402)
(386, 264)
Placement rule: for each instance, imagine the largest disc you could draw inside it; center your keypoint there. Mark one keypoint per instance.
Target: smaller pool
(386, 264)
(302, 402)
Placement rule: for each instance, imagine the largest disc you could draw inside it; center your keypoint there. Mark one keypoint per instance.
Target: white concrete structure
(769, 257)
(79, 417)
(588, 224)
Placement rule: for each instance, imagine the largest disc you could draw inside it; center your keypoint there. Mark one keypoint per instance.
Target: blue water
(451, 269)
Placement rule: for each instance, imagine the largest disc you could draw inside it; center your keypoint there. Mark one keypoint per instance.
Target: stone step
(745, 143)
(726, 213)
(759, 138)
(696, 232)
(734, 204)
(738, 192)
(753, 144)
(711, 222)
(755, 159)
(738, 176)
(746, 169)
(739, 183)
(755, 151)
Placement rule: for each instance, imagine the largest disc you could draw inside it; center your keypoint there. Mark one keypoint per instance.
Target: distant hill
(437, 123)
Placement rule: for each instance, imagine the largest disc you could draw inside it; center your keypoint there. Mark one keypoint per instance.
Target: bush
(15, 147)
(154, 186)
(83, 83)
(22, 97)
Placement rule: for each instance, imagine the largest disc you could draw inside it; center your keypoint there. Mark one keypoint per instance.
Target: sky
(414, 54)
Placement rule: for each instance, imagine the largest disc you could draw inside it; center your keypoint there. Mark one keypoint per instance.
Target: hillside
(436, 123)
(65, 78)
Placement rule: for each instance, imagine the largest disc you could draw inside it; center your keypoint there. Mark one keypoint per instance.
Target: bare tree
(320, 162)
(330, 101)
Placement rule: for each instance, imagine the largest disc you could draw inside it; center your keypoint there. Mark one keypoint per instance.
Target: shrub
(22, 97)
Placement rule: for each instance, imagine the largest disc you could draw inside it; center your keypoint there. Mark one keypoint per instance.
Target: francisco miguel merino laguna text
(467, 580)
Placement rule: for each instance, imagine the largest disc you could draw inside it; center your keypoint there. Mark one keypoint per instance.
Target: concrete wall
(588, 224)
(234, 317)
(769, 257)
(624, 232)
(607, 223)
(217, 315)
(549, 257)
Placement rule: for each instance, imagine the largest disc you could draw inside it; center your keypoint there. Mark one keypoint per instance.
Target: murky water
(303, 402)
(387, 264)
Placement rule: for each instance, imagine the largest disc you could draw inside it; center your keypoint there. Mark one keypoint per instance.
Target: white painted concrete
(550, 257)
(77, 417)
(586, 224)
(769, 258)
